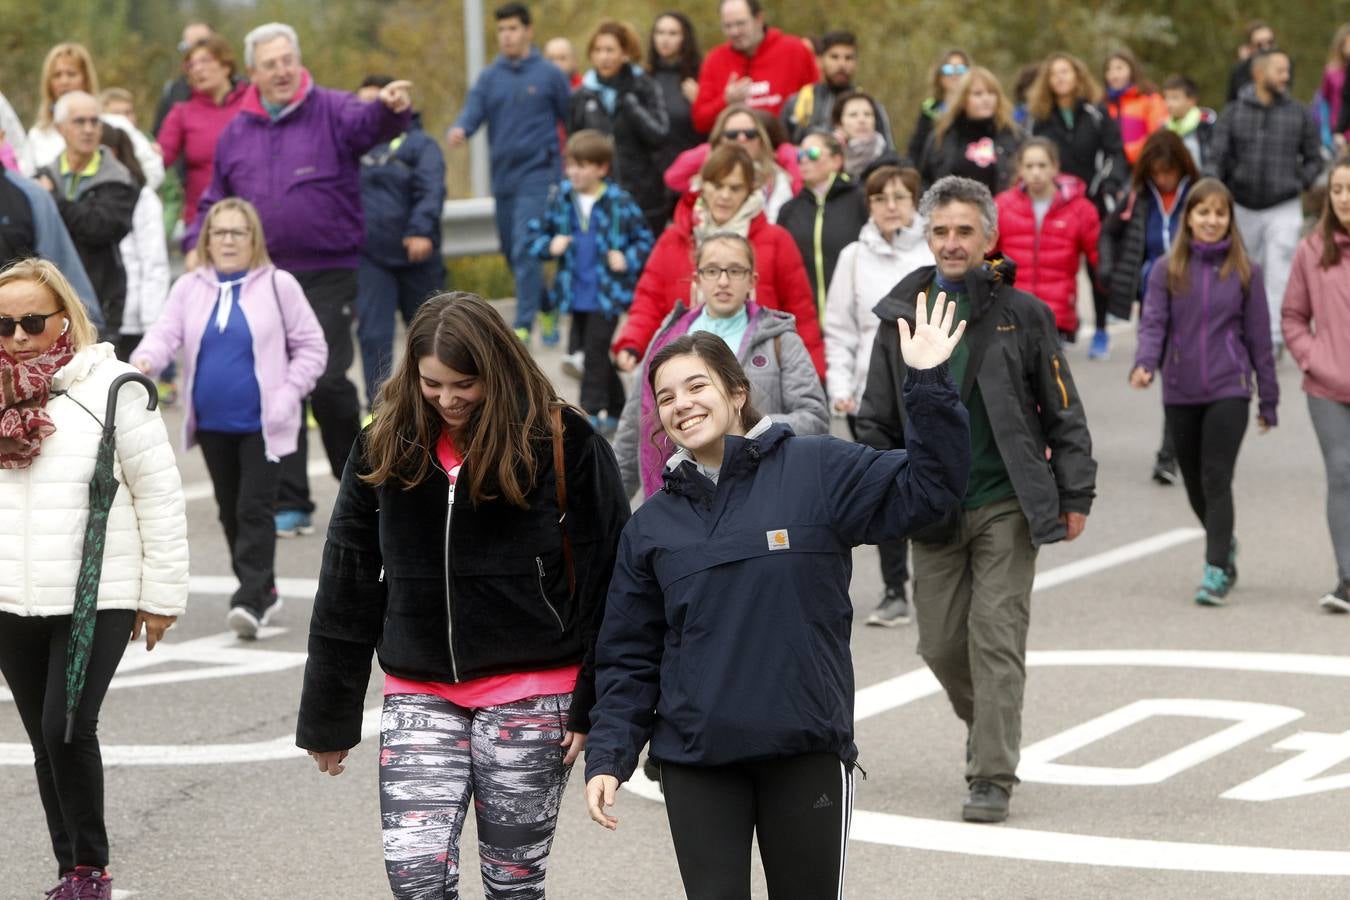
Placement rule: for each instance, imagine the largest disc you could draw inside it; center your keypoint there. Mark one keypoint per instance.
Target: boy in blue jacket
(599, 236)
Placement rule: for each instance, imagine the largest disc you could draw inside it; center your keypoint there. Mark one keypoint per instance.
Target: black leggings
(601, 388)
(1207, 438)
(245, 484)
(799, 807)
(70, 776)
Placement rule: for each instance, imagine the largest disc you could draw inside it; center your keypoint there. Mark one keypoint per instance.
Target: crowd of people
(738, 249)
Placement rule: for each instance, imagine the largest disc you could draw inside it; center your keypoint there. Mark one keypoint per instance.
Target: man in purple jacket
(294, 151)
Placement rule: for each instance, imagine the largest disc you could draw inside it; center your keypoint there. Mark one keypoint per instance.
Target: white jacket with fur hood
(44, 507)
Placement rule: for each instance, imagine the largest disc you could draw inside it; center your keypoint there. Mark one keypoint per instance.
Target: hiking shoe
(892, 611)
(1101, 345)
(572, 363)
(89, 883)
(63, 890)
(1338, 600)
(293, 523)
(1214, 587)
(987, 803)
(1165, 470)
(548, 328)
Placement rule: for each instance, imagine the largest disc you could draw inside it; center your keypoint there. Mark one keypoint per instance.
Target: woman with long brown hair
(472, 543)
(1205, 309)
(976, 137)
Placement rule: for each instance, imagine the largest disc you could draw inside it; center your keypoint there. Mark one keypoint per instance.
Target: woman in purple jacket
(1206, 310)
(252, 349)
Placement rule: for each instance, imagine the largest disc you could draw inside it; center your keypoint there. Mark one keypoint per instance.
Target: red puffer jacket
(1047, 263)
(669, 276)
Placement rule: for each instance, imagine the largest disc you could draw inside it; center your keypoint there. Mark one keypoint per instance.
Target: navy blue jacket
(402, 193)
(726, 629)
(523, 102)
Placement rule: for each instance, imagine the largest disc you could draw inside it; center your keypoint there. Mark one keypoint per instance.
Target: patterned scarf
(737, 224)
(24, 389)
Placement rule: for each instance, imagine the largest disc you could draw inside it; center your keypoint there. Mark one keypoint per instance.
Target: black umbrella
(102, 491)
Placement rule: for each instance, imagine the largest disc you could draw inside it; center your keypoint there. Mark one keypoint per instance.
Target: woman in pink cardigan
(192, 127)
(252, 349)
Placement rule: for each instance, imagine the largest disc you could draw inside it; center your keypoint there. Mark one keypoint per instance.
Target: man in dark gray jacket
(1265, 147)
(973, 572)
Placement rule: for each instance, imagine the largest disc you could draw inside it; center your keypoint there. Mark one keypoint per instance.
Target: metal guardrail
(469, 227)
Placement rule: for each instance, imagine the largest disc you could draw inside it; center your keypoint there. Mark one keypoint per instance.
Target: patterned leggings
(435, 756)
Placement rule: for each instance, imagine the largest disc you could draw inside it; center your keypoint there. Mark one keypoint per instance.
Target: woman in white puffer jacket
(54, 382)
(891, 245)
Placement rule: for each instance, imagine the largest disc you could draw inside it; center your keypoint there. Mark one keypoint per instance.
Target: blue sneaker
(1101, 345)
(548, 328)
(293, 523)
(1214, 587)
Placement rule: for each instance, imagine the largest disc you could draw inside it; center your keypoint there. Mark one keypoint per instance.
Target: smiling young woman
(472, 541)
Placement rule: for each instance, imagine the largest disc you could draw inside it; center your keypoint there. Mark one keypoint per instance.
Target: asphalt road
(1169, 750)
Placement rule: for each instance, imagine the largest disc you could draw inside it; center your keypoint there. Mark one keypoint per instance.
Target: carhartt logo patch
(778, 540)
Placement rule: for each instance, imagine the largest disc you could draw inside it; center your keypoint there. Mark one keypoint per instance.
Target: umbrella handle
(116, 386)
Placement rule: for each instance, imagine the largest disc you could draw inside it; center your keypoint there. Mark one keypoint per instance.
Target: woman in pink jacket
(193, 127)
(1316, 324)
(252, 349)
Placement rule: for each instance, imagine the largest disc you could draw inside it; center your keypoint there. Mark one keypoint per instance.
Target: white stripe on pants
(1271, 237)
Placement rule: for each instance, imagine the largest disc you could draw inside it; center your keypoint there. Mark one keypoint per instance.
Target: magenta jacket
(289, 351)
(191, 131)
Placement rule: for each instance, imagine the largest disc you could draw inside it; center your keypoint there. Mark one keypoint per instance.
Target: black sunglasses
(32, 324)
(740, 134)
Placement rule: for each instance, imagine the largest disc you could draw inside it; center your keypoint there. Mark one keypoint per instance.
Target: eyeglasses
(955, 68)
(740, 134)
(32, 324)
(229, 234)
(811, 153)
(715, 273)
(890, 199)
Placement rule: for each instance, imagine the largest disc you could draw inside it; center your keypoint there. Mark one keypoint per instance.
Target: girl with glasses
(727, 201)
(252, 349)
(776, 167)
(783, 382)
(827, 214)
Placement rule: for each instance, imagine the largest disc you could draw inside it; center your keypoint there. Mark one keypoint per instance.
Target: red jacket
(781, 66)
(669, 276)
(1047, 263)
(192, 129)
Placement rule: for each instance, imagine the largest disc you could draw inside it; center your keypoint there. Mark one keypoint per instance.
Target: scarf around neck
(737, 224)
(860, 152)
(25, 387)
(1186, 124)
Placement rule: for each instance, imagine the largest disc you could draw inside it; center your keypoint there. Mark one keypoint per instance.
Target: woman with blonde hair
(945, 78)
(976, 137)
(252, 348)
(56, 379)
(776, 170)
(68, 67)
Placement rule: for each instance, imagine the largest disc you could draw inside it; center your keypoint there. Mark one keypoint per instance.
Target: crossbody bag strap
(560, 480)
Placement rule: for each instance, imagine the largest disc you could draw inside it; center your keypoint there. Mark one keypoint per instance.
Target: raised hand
(395, 95)
(932, 343)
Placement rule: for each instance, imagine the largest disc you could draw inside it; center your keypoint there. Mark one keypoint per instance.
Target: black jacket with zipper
(1027, 391)
(840, 215)
(1090, 149)
(451, 592)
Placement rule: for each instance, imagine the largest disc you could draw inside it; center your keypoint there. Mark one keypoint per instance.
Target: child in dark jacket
(601, 241)
(1206, 310)
(742, 719)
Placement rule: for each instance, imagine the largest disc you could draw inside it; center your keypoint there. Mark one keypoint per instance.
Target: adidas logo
(823, 802)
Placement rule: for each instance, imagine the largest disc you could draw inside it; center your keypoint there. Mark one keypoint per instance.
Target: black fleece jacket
(1028, 393)
(449, 594)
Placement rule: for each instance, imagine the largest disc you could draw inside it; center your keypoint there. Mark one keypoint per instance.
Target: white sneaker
(572, 363)
(243, 622)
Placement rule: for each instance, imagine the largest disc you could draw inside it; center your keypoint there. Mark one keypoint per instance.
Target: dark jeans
(514, 212)
(245, 484)
(69, 776)
(601, 388)
(1207, 438)
(380, 291)
(797, 806)
(337, 408)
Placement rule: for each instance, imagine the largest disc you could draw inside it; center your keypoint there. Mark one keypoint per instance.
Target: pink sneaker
(90, 883)
(63, 890)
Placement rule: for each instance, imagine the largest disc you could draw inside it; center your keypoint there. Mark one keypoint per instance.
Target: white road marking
(1118, 556)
